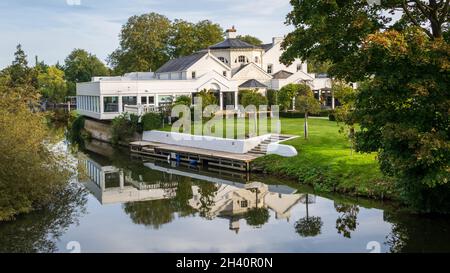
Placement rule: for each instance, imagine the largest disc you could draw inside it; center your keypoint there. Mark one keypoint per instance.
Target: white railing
(143, 109)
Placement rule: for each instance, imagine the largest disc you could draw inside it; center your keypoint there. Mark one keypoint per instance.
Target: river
(118, 203)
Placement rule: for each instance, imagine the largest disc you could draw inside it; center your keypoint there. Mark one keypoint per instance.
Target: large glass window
(165, 100)
(111, 104)
(128, 100)
(143, 100)
(151, 100)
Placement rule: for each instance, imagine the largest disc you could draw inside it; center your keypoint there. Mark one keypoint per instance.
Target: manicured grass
(326, 161)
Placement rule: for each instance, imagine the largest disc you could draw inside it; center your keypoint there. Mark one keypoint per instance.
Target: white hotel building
(224, 68)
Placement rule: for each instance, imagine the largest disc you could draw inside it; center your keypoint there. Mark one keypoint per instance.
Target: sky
(51, 29)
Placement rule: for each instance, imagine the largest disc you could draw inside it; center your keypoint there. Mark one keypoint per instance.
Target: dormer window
(241, 59)
(223, 60)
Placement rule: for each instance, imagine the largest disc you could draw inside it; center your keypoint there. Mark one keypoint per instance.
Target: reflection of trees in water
(417, 233)
(257, 217)
(40, 230)
(207, 193)
(348, 218)
(156, 213)
(308, 226)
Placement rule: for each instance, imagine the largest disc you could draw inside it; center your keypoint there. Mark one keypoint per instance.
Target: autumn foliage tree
(400, 50)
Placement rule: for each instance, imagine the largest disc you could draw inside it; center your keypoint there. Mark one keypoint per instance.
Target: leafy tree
(343, 113)
(52, 84)
(208, 98)
(253, 97)
(403, 107)
(81, 66)
(183, 100)
(286, 95)
(19, 74)
(403, 111)
(334, 31)
(123, 128)
(143, 44)
(318, 67)
(250, 39)
(307, 105)
(187, 38)
(30, 174)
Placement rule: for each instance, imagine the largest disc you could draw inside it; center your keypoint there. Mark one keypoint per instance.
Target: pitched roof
(266, 47)
(252, 84)
(282, 74)
(182, 63)
(232, 43)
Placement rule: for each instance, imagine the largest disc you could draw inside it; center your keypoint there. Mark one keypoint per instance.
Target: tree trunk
(306, 125)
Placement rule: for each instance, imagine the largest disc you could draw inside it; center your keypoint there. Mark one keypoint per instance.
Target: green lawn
(324, 161)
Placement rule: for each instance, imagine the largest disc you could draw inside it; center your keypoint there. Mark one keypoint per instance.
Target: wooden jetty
(195, 156)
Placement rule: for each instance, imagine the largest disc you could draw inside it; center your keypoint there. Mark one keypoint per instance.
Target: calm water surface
(122, 204)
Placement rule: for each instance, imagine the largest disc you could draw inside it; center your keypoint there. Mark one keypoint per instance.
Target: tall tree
(334, 31)
(52, 84)
(143, 44)
(306, 103)
(250, 39)
(187, 38)
(403, 106)
(81, 66)
(19, 73)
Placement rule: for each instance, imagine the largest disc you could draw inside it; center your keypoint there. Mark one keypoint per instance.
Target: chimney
(231, 33)
(276, 40)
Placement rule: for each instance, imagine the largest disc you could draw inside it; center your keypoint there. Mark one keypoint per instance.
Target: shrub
(184, 100)
(152, 121)
(208, 98)
(253, 97)
(75, 130)
(122, 129)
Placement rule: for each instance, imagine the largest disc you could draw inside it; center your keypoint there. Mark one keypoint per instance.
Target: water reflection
(348, 218)
(308, 226)
(40, 231)
(149, 206)
(153, 196)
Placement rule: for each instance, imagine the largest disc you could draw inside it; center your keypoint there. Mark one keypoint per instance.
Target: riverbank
(326, 162)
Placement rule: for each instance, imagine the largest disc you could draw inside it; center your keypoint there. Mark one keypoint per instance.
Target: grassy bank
(326, 162)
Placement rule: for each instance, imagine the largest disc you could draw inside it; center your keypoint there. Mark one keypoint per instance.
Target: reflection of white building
(111, 185)
(224, 68)
(233, 201)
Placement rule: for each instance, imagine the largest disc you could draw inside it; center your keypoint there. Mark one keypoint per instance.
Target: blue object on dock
(178, 158)
(193, 162)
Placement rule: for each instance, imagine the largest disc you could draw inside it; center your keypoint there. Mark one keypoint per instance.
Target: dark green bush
(75, 131)
(298, 114)
(253, 97)
(122, 128)
(152, 121)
